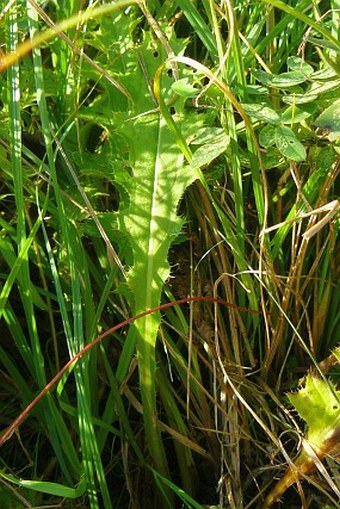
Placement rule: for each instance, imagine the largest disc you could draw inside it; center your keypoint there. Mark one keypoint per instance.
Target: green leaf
(299, 98)
(263, 77)
(283, 80)
(294, 114)
(152, 223)
(298, 64)
(325, 85)
(151, 220)
(199, 25)
(51, 488)
(261, 112)
(155, 185)
(323, 43)
(318, 403)
(330, 119)
(206, 135)
(208, 152)
(288, 144)
(184, 88)
(288, 79)
(256, 90)
(267, 136)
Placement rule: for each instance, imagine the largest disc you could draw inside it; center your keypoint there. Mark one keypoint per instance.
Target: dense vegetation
(152, 152)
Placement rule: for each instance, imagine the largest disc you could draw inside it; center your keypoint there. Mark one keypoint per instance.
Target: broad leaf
(206, 135)
(152, 223)
(298, 64)
(263, 77)
(267, 136)
(318, 403)
(295, 115)
(288, 144)
(151, 220)
(208, 152)
(288, 79)
(283, 80)
(261, 112)
(156, 184)
(184, 88)
(302, 98)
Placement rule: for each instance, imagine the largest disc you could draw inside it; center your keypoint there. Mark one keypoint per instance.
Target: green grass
(150, 152)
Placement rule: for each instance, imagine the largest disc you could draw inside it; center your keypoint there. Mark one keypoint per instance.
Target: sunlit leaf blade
(207, 135)
(318, 403)
(263, 77)
(151, 220)
(296, 115)
(152, 223)
(156, 184)
(184, 88)
(323, 43)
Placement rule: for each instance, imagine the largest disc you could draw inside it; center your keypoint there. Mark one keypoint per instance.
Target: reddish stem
(19, 420)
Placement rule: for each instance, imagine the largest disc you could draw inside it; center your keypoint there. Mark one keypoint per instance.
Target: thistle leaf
(318, 403)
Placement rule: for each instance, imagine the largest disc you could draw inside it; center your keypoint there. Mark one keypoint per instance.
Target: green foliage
(183, 88)
(150, 151)
(329, 119)
(318, 403)
(48, 487)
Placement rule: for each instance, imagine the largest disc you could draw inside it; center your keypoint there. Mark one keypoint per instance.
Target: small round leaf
(288, 144)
